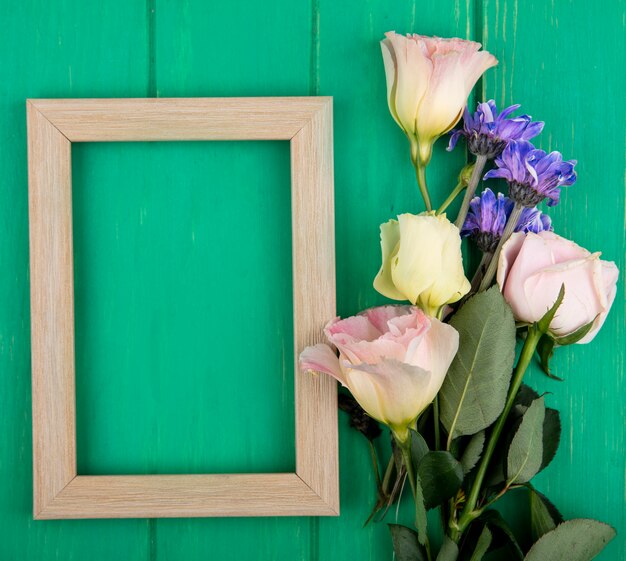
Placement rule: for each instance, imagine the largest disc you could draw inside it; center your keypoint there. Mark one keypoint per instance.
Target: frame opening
(183, 365)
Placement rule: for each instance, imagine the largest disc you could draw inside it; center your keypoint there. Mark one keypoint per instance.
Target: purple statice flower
(532, 174)
(487, 217)
(488, 132)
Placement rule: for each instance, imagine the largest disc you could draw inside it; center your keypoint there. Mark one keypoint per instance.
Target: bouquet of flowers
(441, 372)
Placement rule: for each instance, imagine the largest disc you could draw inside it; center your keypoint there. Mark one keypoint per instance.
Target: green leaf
(398, 460)
(405, 544)
(544, 323)
(421, 520)
(419, 448)
(473, 451)
(525, 396)
(502, 534)
(449, 550)
(551, 423)
(574, 540)
(482, 545)
(577, 335)
(545, 349)
(526, 451)
(551, 436)
(475, 389)
(544, 516)
(441, 476)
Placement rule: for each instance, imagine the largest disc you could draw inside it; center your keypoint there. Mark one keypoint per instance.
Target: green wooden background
(182, 250)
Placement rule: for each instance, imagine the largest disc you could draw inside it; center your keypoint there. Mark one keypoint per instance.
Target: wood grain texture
(52, 297)
(52, 309)
(117, 120)
(314, 266)
(182, 496)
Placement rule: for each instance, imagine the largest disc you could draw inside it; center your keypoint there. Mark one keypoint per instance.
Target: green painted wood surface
(182, 250)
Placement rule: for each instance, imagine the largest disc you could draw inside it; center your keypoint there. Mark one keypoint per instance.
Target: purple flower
(532, 174)
(488, 132)
(532, 220)
(488, 215)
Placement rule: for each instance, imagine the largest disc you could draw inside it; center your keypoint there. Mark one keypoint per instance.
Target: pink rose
(392, 358)
(533, 267)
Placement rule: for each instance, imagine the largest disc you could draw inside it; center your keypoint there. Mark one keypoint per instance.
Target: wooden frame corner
(53, 125)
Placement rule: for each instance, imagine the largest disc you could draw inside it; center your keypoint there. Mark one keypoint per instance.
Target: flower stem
(453, 195)
(420, 171)
(436, 423)
(387, 476)
(408, 463)
(478, 277)
(469, 512)
(374, 458)
(410, 473)
(420, 174)
(508, 231)
(480, 271)
(471, 189)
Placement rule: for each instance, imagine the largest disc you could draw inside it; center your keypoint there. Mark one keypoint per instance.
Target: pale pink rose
(533, 267)
(392, 358)
(428, 82)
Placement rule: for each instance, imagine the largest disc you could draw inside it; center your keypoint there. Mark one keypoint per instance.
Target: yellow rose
(422, 262)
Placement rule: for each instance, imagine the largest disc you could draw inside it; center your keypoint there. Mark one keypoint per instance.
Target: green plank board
(183, 309)
(243, 48)
(173, 336)
(51, 49)
(374, 181)
(550, 62)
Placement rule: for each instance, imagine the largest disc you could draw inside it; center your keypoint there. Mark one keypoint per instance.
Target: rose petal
(416, 319)
(444, 100)
(419, 259)
(428, 268)
(510, 251)
(389, 60)
(370, 352)
(452, 271)
(408, 330)
(562, 248)
(583, 299)
(389, 243)
(435, 352)
(534, 255)
(380, 316)
(413, 72)
(390, 391)
(354, 328)
(610, 274)
(533, 268)
(321, 358)
(365, 392)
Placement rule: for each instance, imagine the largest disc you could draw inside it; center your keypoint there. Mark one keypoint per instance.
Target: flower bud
(428, 82)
